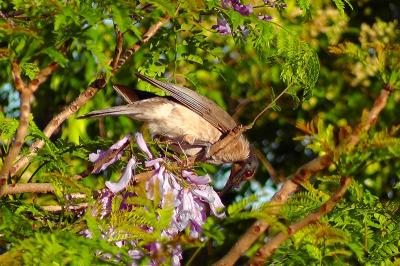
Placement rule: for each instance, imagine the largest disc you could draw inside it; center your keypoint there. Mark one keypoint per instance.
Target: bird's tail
(129, 110)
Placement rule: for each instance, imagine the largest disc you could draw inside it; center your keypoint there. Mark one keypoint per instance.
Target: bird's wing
(126, 93)
(199, 104)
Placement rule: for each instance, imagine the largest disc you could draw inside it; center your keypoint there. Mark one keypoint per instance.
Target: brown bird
(190, 119)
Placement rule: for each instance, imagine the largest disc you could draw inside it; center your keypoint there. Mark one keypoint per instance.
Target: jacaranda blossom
(222, 27)
(244, 10)
(100, 154)
(190, 201)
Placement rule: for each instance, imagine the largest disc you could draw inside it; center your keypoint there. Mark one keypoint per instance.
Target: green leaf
(30, 69)
(58, 57)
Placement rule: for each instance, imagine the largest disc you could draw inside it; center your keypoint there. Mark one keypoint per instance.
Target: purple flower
(222, 27)
(195, 179)
(142, 144)
(125, 178)
(207, 194)
(190, 195)
(226, 4)
(245, 31)
(244, 10)
(265, 17)
(100, 155)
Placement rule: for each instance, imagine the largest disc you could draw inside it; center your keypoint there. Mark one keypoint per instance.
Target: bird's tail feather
(129, 110)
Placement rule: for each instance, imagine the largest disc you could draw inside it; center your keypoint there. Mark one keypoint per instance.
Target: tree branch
(372, 116)
(29, 188)
(302, 174)
(258, 228)
(49, 188)
(58, 208)
(267, 250)
(84, 97)
(26, 92)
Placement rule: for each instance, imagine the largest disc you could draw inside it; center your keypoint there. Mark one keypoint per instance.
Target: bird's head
(241, 171)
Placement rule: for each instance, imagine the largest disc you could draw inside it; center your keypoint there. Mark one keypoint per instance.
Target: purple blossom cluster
(222, 25)
(244, 10)
(192, 197)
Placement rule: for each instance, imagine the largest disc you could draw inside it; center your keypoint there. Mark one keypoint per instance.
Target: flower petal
(195, 179)
(222, 27)
(154, 162)
(125, 178)
(100, 154)
(142, 144)
(208, 194)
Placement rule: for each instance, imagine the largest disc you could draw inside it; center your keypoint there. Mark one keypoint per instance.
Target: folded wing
(199, 104)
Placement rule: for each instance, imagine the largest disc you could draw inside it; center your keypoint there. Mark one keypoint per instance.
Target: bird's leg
(183, 151)
(189, 161)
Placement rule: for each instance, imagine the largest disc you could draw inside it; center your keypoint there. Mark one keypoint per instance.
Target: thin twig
(83, 98)
(237, 131)
(272, 103)
(108, 156)
(267, 250)
(147, 36)
(118, 47)
(291, 185)
(26, 92)
(267, 165)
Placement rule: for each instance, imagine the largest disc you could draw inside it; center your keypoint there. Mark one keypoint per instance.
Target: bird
(191, 120)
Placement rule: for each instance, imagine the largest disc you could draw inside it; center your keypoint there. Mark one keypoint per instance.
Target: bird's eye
(248, 174)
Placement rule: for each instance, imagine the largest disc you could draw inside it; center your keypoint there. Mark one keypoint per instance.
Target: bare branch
(83, 98)
(42, 77)
(58, 208)
(29, 188)
(16, 73)
(49, 188)
(26, 92)
(267, 250)
(372, 116)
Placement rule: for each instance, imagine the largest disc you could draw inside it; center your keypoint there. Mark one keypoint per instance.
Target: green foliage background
(333, 56)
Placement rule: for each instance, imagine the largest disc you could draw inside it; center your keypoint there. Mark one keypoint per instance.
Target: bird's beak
(240, 172)
(234, 178)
